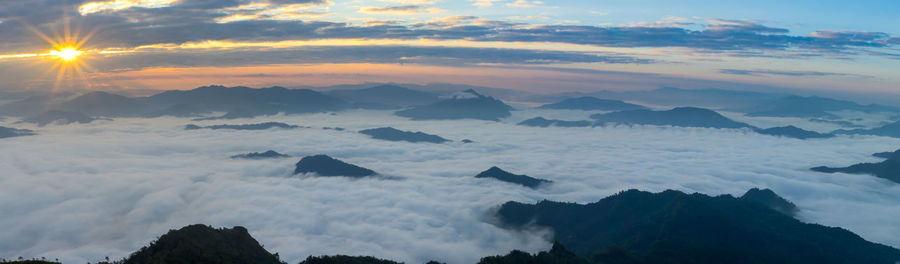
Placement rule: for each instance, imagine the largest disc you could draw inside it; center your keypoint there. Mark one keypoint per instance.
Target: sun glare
(67, 54)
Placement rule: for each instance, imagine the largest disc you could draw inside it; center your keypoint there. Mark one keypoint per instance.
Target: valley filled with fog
(79, 192)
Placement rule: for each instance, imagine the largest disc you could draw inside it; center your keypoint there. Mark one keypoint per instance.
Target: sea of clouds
(83, 192)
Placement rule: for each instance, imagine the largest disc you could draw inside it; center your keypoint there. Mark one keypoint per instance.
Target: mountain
(886, 155)
(557, 255)
(105, 104)
(793, 132)
(542, 122)
(464, 105)
(341, 259)
(798, 106)
(248, 101)
(201, 244)
(323, 165)
(6, 132)
(260, 126)
(58, 117)
(888, 169)
(681, 116)
(392, 134)
(271, 154)
(386, 95)
(674, 227)
(593, 103)
(236, 101)
(770, 199)
(499, 174)
(889, 130)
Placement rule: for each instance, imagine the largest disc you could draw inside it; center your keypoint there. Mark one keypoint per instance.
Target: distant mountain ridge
(468, 104)
(679, 116)
(592, 103)
(236, 101)
(502, 175)
(393, 134)
(888, 169)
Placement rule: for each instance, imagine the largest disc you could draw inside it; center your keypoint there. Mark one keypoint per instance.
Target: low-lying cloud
(82, 192)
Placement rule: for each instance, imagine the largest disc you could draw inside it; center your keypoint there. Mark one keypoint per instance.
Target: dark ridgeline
(323, 165)
(886, 155)
(674, 227)
(793, 132)
(542, 122)
(463, 105)
(392, 134)
(681, 117)
(271, 154)
(798, 106)
(888, 169)
(342, 259)
(6, 132)
(889, 130)
(499, 174)
(770, 199)
(58, 117)
(592, 103)
(249, 102)
(237, 102)
(260, 126)
(105, 104)
(385, 96)
(201, 244)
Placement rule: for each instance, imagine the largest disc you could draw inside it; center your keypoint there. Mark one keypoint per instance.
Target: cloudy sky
(543, 46)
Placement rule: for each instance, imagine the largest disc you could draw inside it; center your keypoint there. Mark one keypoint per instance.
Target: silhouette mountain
(770, 199)
(463, 105)
(236, 101)
(271, 154)
(342, 259)
(674, 227)
(392, 134)
(681, 116)
(793, 132)
(260, 126)
(888, 169)
(250, 101)
(105, 104)
(386, 95)
(58, 117)
(542, 122)
(889, 130)
(798, 106)
(202, 244)
(6, 132)
(886, 155)
(505, 176)
(323, 165)
(593, 103)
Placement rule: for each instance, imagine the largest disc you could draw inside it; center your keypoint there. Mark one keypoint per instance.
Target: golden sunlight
(66, 54)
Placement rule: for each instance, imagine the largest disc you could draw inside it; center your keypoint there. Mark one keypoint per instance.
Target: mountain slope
(674, 227)
(592, 103)
(464, 105)
(681, 116)
(202, 244)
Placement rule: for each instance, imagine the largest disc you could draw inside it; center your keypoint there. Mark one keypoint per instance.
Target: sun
(67, 54)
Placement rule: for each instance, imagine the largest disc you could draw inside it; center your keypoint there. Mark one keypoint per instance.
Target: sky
(136, 46)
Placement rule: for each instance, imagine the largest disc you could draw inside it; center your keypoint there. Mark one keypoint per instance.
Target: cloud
(142, 177)
(400, 10)
(525, 3)
(484, 3)
(782, 73)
